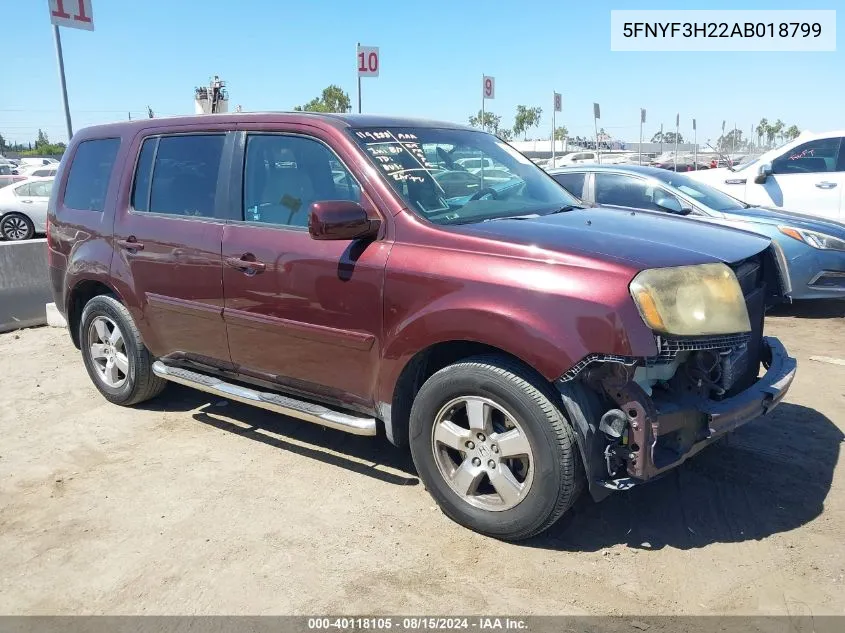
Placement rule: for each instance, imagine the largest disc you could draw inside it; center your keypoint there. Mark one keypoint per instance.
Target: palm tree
(792, 132)
(778, 129)
(762, 129)
(770, 135)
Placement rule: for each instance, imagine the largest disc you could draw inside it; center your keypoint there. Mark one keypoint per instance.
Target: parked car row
(812, 249)
(25, 185)
(349, 271)
(23, 208)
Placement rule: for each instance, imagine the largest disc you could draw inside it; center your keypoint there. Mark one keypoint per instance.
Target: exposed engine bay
(652, 413)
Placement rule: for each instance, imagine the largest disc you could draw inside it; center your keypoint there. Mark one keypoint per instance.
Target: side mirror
(763, 173)
(340, 220)
(672, 205)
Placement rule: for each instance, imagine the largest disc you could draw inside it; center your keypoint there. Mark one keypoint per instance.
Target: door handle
(824, 184)
(246, 263)
(130, 244)
(27, 201)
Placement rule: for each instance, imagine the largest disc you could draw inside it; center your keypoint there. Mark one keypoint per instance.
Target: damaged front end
(637, 418)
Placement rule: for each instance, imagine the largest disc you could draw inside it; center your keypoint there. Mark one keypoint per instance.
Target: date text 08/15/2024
(387, 623)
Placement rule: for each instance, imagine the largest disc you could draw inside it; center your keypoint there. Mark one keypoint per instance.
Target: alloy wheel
(108, 352)
(483, 453)
(14, 228)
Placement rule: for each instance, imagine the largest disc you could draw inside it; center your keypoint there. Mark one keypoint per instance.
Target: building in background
(213, 99)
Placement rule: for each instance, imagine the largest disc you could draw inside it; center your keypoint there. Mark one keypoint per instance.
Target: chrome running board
(308, 411)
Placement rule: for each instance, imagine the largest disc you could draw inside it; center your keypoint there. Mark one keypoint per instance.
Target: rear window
(177, 175)
(88, 180)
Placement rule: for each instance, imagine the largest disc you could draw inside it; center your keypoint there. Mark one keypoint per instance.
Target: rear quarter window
(90, 172)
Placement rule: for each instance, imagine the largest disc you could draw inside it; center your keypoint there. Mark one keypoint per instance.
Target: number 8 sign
(368, 61)
(489, 88)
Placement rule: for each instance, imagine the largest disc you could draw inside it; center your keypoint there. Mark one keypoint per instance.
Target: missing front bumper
(667, 429)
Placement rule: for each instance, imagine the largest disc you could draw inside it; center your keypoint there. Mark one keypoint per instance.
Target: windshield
(430, 169)
(703, 194)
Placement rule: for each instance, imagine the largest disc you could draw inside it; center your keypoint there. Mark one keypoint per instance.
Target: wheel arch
(81, 293)
(421, 366)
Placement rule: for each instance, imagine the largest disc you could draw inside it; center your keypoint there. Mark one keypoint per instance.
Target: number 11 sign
(74, 14)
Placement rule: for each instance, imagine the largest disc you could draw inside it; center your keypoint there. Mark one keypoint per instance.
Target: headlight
(814, 238)
(691, 300)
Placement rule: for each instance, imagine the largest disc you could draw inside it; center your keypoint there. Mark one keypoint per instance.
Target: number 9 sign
(488, 90)
(368, 61)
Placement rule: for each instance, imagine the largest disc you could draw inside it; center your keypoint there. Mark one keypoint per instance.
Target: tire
(16, 226)
(514, 394)
(133, 381)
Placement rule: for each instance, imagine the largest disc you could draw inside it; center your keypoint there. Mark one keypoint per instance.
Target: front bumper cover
(666, 431)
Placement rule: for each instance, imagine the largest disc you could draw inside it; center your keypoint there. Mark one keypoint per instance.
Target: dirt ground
(189, 505)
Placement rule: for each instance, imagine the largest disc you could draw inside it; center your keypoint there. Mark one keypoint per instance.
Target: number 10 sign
(368, 61)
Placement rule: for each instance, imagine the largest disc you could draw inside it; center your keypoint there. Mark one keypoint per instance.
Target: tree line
(334, 99)
(41, 147)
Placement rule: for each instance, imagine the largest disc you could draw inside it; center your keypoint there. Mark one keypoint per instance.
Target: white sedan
(23, 208)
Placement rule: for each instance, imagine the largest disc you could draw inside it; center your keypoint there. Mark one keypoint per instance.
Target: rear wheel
(116, 359)
(16, 226)
(493, 448)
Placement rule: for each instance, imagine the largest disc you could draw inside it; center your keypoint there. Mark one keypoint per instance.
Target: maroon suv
(350, 271)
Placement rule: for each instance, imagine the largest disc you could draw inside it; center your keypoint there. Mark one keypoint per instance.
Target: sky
(276, 54)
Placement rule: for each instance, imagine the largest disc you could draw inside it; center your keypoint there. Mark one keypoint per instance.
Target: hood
(769, 215)
(718, 175)
(640, 239)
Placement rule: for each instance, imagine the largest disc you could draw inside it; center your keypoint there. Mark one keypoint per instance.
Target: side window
(42, 188)
(90, 171)
(573, 183)
(24, 190)
(177, 175)
(812, 157)
(285, 175)
(625, 191)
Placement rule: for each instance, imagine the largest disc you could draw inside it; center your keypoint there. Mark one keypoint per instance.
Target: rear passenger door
(36, 208)
(168, 234)
(303, 313)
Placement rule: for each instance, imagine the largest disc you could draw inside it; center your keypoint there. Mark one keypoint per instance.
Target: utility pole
(677, 131)
(57, 39)
(357, 48)
(661, 138)
(640, 148)
(694, 146)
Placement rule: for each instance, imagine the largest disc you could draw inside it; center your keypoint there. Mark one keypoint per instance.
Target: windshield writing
(453, 176)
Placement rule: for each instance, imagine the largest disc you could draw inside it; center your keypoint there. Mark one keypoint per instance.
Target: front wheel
(493, 448)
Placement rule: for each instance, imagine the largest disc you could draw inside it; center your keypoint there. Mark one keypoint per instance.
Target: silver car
(23, 208)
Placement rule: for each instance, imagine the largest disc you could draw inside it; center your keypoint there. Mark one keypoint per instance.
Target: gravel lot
(188, 505)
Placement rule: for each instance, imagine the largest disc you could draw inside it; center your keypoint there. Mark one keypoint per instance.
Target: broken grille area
(668, 348)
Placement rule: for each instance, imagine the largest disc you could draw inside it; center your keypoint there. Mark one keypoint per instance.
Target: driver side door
(303, 313)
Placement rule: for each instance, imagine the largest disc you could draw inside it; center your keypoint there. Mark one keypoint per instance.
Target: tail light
(51, 253)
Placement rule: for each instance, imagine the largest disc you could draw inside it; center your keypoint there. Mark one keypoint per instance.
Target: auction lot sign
(712, 30)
